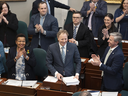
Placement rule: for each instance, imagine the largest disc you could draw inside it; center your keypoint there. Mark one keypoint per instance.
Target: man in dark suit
(81, 32)
(93, 12)
(43, 27)
(111, 64)
(52, 4)
(62, 57)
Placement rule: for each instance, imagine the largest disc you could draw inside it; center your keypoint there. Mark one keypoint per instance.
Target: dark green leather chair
(124, 92)
(76, 93)
(22, 28)
(69, 18)
(41, 70)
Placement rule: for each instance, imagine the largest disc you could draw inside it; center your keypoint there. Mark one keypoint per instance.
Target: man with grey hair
(85, 93)
(111, 64)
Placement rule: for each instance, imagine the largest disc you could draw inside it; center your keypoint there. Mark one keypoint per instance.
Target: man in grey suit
(43, 27)
(62, 57)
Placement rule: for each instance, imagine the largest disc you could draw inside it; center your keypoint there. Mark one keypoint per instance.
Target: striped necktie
(74, 32)
(63, 54)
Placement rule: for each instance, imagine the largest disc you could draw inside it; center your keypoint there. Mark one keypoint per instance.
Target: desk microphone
(61, 84)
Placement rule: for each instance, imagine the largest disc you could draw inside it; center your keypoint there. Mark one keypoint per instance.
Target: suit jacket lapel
(113, 52)
(67, 52)
(59, 52)
(78, 32)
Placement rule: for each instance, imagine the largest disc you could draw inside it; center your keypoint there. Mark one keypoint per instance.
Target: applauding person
(8, 25)
(121, 17)
(104, 31)
(21, 60)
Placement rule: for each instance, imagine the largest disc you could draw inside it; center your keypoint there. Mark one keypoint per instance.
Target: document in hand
(70, 81)
(109, 93)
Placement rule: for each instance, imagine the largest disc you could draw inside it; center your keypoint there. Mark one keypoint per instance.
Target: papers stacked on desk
(71, 81)
(26, 83)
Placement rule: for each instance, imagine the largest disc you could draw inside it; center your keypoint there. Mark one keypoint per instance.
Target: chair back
(69, 18)
(30, 15)
(120, 44)
(40, 69)
(76, 93)
(22, 28)
(125, 76)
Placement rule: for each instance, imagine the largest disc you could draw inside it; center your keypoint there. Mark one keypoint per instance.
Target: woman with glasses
(104, 31)
(21, 60)
(8, 25)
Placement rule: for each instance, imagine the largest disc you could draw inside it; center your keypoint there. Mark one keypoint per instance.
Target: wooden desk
(97, 90)
(44, 92)
(56, 89)
(92, 76)
(6, 90)
(59, 85)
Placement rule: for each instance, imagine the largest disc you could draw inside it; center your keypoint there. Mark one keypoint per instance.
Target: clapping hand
(96, 60)
(5, 20)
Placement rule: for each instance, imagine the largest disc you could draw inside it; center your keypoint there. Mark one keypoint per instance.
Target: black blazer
(82, 37)
(103, 43)
(29, 65)
(52, 4)
(10, 29)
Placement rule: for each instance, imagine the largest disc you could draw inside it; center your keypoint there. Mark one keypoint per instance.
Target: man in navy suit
(81, 33)
(51, 5)
(62, 57)
(111, 64)
(93, 12)
(43, 27)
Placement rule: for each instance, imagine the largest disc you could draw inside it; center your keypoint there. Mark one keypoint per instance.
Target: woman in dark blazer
(121, 17)
(104, 31)
(21, 60)
(8, 25)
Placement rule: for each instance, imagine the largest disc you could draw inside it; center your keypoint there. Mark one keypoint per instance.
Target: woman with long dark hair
(8, 25)
(104, 31)
(121, 17)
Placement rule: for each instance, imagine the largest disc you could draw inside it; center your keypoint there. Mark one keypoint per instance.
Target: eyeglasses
(76, 17)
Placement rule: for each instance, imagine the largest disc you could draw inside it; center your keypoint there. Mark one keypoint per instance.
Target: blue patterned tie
(74, 32)
(63, 54)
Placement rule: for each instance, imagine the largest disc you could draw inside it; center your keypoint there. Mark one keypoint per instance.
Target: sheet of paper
(82, 60)
(27, 83)
(51, 79)
(94, 93)
(35, 86)
(109, 93)
(13, 82)
(1, 80)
